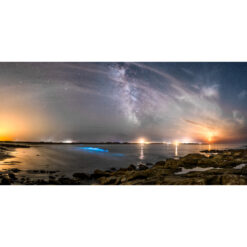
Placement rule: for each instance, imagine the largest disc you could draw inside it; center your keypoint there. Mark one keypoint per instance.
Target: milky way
(123, 101)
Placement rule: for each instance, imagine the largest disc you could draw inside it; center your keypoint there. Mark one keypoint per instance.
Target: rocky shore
(215, 167)
(227, 167)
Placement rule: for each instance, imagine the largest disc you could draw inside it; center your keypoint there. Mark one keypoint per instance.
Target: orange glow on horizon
(12, 127)
(5, 134)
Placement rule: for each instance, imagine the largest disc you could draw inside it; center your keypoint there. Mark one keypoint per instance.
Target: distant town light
(67, 141)
(141, 141)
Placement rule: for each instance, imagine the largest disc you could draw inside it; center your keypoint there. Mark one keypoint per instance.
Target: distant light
(141, 141)
(94, 149)
(186, 140)
(67, 141)
(210, 136)
(176, 143)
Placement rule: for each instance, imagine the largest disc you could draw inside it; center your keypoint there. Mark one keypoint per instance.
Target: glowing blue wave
(100, 150)
(94, 149)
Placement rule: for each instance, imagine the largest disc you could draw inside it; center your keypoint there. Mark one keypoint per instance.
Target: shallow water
(240, 166)
(69, 159)
(195, 169)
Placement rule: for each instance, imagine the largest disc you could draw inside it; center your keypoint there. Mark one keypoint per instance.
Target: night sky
(188, 102)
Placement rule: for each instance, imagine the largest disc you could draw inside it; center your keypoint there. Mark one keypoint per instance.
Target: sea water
(71, 158)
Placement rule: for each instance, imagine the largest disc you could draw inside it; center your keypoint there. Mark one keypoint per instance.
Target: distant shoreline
(109, 143)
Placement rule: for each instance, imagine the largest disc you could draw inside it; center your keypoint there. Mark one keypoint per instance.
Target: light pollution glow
(164, 102)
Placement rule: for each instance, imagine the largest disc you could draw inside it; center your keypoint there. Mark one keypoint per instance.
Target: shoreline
(215, 167)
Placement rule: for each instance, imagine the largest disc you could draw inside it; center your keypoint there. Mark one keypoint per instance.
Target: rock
(173, 180)
(171, 164)
(131, 167)
(191, 160)
(230, 179)
(142, 167)
(207, 162)
(41, 182)
(160, 164)
(12, 176)
(137, 175)
(244, 171)
(5, 181)
(149, 164)
(67, 181)
(15, 170)
(107, 180)
(81, 176)
(212, 151)
(98, 173)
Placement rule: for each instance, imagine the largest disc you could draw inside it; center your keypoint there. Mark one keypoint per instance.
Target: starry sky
(188, 102)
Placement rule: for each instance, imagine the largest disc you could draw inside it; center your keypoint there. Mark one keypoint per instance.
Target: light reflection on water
(69, 158)
(141, 152)
(176, 150)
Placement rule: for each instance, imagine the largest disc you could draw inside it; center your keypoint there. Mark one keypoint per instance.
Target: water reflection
(141, 157)
(176, 150)
(209, 147)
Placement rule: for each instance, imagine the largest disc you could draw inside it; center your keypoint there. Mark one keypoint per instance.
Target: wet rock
(212, 151)
(172, 180)
(98, 173)
(53, 181)
(108, 180)
(12, 176)
(160, 164)
(191, 160)
(137, 175)
(67, 181)
(171, 164)
(5, 181)
(41, 171)
(142, 167)
(41, 182)
(81, 176)
(149, 164)
(226, 179)
(131, 167)
(15, 170)
(207, 162)
(229, 179)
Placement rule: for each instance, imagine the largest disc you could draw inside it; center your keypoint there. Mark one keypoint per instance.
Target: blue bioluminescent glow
(100, 150)
(94, 149)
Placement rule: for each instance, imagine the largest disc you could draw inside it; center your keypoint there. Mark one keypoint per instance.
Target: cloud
(210, 91)
(242, 94)
(238, 117)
